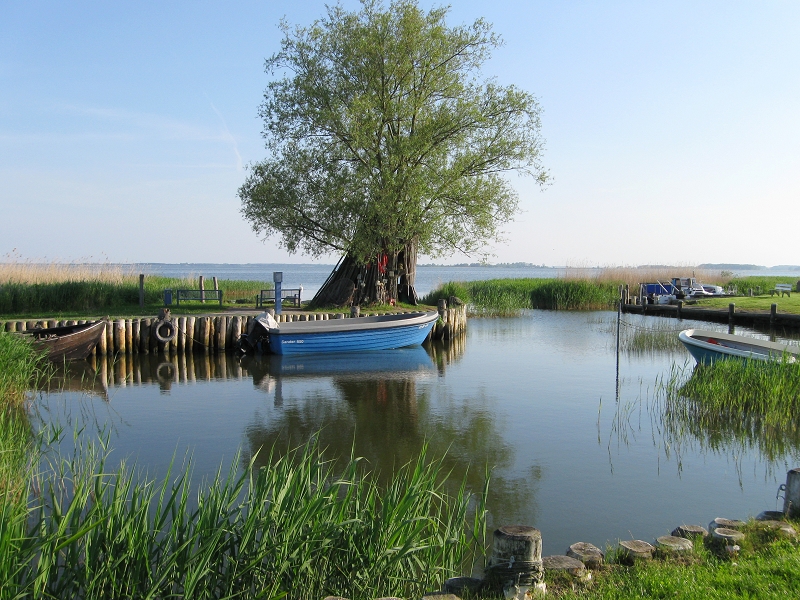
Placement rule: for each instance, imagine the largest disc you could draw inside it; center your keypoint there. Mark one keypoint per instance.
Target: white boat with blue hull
(709, 346)
(349, 335)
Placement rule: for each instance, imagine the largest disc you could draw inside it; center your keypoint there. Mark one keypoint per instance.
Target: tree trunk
(354, 284)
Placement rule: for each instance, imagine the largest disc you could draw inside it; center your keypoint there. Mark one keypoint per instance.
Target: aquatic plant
(299, 527)
(732, 405)
(20, 365)
(95, 294)
(509, 296)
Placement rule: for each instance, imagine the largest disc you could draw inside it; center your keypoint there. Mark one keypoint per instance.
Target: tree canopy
(382, 133)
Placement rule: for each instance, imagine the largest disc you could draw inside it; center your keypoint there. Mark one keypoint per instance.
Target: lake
(575, 450)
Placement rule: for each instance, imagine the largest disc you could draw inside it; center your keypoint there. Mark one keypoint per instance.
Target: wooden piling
(202, 290)
(128, 335)
(773, 314)
(205, 333)
(144, 336)
(181, 333)
(141, 291)
(222, 333)
(229, 333)
(102, 347)
(119, 336)
(137, 335)
(189, 344)
(731, 313)
(109, 336)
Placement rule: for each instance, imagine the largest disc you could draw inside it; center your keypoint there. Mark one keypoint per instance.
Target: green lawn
(756, 303)
(766, 567)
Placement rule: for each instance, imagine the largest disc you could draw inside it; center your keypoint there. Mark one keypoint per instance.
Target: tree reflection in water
(381, 407)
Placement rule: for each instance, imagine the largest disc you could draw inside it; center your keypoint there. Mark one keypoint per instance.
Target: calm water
(534, 397)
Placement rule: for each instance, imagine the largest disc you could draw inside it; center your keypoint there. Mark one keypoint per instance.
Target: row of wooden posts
(679, 310)
(212, 333)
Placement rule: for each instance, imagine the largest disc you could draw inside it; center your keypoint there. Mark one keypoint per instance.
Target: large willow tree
(384, 141)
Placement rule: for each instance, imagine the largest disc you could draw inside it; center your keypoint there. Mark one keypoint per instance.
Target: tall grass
(732, 403)
(760, 285)
(574, 289)
(506, 296)
(300, 528)
(96, 293)
(20, 365)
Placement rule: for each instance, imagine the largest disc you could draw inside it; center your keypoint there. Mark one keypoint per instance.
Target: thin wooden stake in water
(141, 290)
(619, 319)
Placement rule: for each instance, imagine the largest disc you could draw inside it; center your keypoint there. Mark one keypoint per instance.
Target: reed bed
(62, 294)
(732, 406)
(633, 276)
(642, 335)
(20, 366)
(299, 527)
(509, 296)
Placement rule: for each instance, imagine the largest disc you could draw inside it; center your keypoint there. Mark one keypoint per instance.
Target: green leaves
(301, 527)
(381, 131)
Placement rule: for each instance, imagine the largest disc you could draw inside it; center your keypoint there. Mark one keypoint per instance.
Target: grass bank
(755, 304)
(767, 566)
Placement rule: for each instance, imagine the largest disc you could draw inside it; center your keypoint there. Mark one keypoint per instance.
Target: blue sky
(672, 128)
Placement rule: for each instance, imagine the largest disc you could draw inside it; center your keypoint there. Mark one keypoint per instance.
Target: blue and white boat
(709, 346)
(348, 335)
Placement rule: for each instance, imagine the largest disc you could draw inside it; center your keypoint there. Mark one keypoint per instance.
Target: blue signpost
(277, 277)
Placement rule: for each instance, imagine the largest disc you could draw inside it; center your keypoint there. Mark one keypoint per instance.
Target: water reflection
(372, 405)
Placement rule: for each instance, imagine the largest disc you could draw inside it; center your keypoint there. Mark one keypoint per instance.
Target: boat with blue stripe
(382, 332)
(709, 346)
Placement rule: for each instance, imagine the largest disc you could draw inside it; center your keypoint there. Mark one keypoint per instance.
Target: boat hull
(72, 342)
(709, 346)
(352, 335)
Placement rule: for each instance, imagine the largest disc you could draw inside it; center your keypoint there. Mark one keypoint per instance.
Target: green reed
(300, 527)
(507, 296)
(20, 366)
(84, 296)
(748, 404)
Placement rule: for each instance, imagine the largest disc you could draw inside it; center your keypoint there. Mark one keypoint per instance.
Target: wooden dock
(731, 316)
(212, 334)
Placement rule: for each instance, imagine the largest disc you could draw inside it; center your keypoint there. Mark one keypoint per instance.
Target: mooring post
(791, 495)
(773, 313)
(216, 284)
(680, 310)
(202, 290)
(141, 290)
(731, 312)
(277, 279)
(516, 563)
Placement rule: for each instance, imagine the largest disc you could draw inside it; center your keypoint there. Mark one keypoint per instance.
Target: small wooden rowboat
(71, 342)
(709, 346)
(347, 335)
